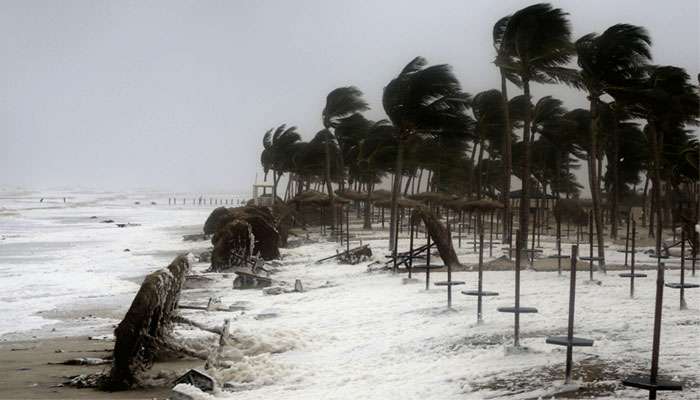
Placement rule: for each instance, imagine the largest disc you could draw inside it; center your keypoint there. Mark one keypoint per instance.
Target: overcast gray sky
(176, 95)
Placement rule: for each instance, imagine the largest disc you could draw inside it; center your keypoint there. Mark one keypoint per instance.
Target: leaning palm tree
(340, 103)
(609, 63)
(276, 155)
(536, 44)
(422, 100)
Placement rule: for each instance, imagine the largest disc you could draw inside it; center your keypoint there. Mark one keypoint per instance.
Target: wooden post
(656, 344)
(410, 250)
(479, 313)
(683, 305)
(590, 244)
(490, 236)
(347, 229)
(516, 330)
(570, 330)
(627, 238)
(427, 262)
(632, 257)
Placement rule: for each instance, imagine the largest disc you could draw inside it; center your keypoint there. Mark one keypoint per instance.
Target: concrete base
(408, 281)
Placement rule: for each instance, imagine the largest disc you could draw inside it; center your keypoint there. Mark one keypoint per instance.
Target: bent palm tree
(340, 103)
(276, 155)
(609, 63)
(535, 44)
(422, 100)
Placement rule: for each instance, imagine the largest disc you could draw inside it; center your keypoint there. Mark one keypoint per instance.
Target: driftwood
(143, 332)
(439, 234)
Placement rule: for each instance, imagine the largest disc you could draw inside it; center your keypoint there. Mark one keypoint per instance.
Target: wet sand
(25, 372)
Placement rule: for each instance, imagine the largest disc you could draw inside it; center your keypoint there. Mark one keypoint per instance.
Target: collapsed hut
(243, 232)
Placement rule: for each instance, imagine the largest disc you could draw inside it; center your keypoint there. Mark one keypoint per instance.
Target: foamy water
(56, 255)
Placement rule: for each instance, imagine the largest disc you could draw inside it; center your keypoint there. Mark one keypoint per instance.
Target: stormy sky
(176, 95)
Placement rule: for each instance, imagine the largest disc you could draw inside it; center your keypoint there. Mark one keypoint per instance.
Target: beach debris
(246, 280)
(198, 379)
(85, 361)
(195, 237)
(102, 337)
(197, 281)
(273, 290)
(124, 225)
(298, 287)
(204, 256)
(352, 256)
(107, 221)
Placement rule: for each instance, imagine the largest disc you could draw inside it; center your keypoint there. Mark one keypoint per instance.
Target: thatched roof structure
(380, 194)
(401, 202)
(434, 197)
(571, 210)
(317, 198)
(352, 195)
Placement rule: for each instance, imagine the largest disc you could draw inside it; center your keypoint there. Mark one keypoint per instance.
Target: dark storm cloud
(177, 94)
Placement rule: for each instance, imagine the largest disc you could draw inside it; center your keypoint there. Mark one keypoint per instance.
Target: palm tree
(340, 103)
(276, 154)
(610, 62)
(489, 121)
(535, 44)
(422, 100)
(668, 102)
(502, 60)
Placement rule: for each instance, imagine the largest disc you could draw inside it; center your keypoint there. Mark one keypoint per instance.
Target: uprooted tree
(146, 327)
(438, 233)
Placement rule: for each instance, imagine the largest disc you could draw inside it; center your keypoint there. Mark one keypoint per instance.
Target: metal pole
(658, 308)
(410, 251)
(627, 239)
(572, 300)
(427, 262)
(590, 244)
(490, 236)
(516, 333)
(634, 245)
(683, 306)
(347, 229)
(479, 318)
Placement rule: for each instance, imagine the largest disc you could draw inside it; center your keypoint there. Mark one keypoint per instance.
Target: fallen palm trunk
(143, 331)
(439, 234)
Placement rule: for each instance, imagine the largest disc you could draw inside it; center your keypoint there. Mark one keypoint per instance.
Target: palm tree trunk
(275, 180)
(420, 178)
(595, 186)
(525, 175)
(507, 161)
(656, 183)
(329, 185)
(616, 179)
(478, 170)
(395, 196)
(408, 184)
(368, 208)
